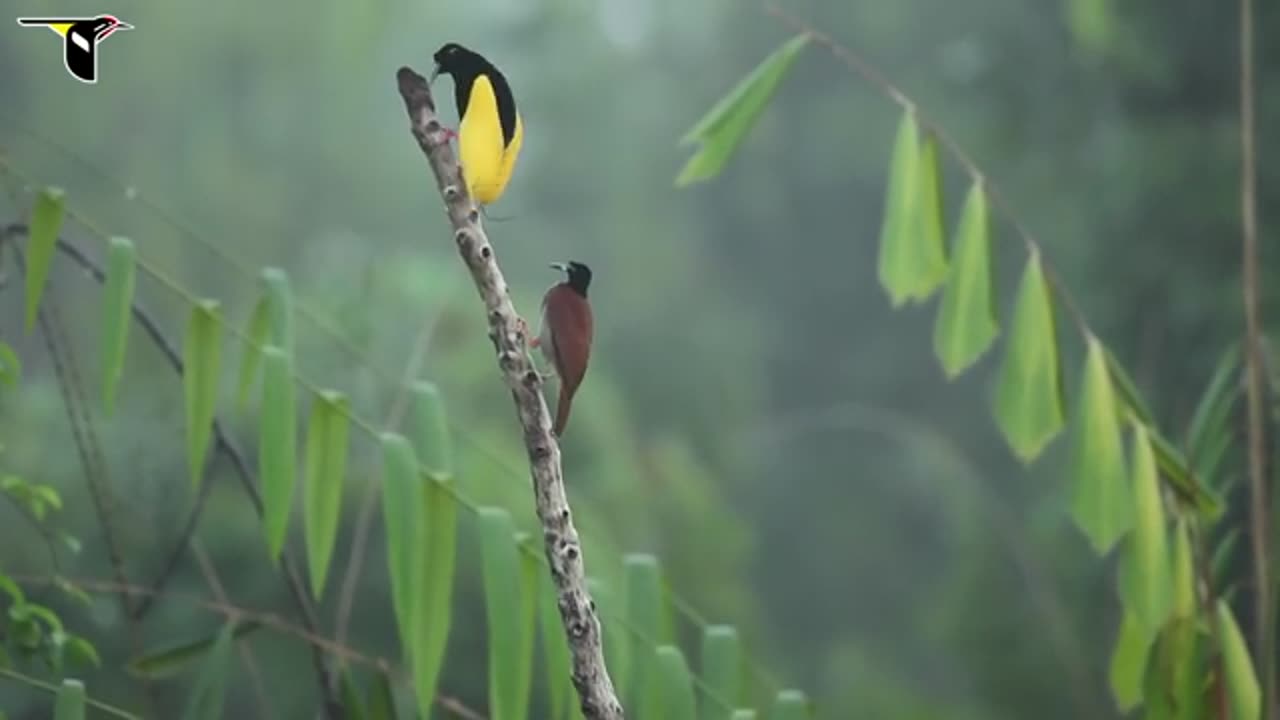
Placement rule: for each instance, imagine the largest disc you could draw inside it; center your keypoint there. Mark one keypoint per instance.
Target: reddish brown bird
(565, 334)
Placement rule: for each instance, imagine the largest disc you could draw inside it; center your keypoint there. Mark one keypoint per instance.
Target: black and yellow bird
(490, 131)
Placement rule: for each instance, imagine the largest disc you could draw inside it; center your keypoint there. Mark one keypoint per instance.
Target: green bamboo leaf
(1218, 396)
(117, 305)
(207, 697)
(431, 430)
(1175, 470)
(1149, 551)
(437, 551)
(1184, 573)
(352, 703)
(202, 352)
(82, 651)
(279, 307)
(42, 240)
(1175, 672)
(12, 589)
(930, 262)
(1029, 394)
(966, 324)
(278, 453)
(1222, 554)
(1242, 681)
(791, 705)
(530, 571)
(896, 262)
(1101, 502)
(555, 652)
(1208, 461)
(675, 688)
(1208, 434)
(159, 664)
(251, 359)
(610, 609)
(326, 467)
(69, 704)
(402, 510)
(1129, 663)
(647, 619)
(1128, 391)
(726, 125)
(10, 366)
(721, 671)
(381, 702)
(509, 647)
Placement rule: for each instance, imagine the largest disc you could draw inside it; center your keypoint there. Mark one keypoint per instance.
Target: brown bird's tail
(562, 409)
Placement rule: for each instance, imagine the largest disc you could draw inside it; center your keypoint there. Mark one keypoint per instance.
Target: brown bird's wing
(569, 326)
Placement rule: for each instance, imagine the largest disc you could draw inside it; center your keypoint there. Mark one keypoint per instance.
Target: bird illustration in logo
(80, 38)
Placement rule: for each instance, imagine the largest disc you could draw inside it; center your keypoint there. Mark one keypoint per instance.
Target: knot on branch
(414, 90)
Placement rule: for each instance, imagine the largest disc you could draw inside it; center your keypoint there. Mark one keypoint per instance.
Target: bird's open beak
(122, 26)
(562, 267)
(435, 72)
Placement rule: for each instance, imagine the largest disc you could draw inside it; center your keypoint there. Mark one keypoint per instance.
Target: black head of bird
(458, 62)
(99, 27)
(490, 131)
(80, 46)
(566, 334)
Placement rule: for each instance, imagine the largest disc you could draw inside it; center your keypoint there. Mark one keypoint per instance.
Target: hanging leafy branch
(1116, 501)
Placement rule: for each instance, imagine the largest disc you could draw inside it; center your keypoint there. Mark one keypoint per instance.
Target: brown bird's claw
(533, 340)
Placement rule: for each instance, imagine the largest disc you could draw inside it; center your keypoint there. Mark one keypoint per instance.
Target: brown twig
(563, 549)
(210, 572)
(235, 613)
(1258, 504)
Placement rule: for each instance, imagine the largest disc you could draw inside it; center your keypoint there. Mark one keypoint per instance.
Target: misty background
(755, 412)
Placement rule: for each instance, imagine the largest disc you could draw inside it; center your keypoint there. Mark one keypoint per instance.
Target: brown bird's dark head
(579, 275)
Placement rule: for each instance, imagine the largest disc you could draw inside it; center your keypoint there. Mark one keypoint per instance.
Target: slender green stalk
(52, 689)
(1258, 504)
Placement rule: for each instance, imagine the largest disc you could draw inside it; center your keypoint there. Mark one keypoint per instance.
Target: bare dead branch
(563, 549)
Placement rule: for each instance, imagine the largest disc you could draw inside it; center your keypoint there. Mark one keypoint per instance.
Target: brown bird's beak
(435, 72)
(562, 267)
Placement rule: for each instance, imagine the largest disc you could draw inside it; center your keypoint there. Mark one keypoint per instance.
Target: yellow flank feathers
(486, 162)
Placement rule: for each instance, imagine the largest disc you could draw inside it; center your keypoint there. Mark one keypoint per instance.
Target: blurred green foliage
(756, 415)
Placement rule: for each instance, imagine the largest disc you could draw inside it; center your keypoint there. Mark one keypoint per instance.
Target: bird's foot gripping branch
(564, 554)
